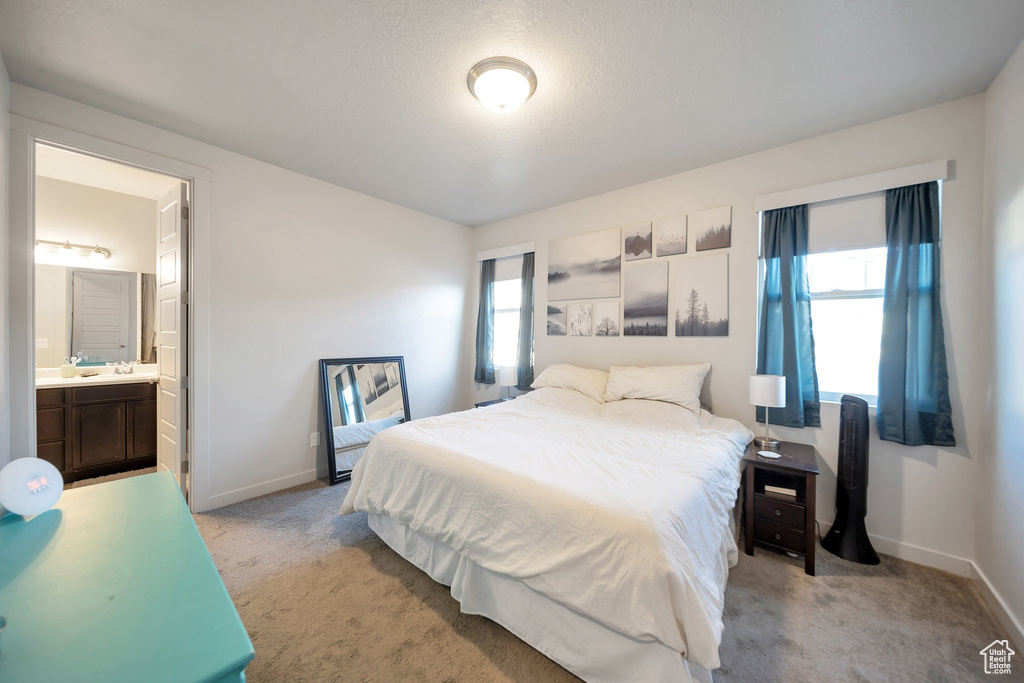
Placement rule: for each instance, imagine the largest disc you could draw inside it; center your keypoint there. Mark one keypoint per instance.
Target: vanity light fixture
(502, 84)
(66, 252)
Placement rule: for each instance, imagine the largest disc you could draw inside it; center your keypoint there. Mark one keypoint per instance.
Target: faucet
(124, 367)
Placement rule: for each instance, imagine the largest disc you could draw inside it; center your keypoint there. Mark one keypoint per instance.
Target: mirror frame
(325, 394)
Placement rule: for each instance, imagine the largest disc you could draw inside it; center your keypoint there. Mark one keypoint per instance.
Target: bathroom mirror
(361, 397)
(103, 315)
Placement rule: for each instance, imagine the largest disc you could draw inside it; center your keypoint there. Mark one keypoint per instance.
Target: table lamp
(768, 391)
(507, 378)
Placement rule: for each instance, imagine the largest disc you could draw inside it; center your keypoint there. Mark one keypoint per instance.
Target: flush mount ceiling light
(502, 84)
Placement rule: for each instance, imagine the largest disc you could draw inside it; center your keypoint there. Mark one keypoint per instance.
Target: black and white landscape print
(585, 266)
(366, 384)
(556, 320)
(392, 371)
(606, 319)
(645, 313)
(670, 235)
(380, 377)
(713, 228)
(581, 320)
(636, 242)
(700, 296)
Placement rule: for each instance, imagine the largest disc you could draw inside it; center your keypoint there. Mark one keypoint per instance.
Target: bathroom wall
(123, 223)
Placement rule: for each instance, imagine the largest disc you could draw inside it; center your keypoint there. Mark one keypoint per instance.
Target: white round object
(502, 84)
(30, 486)
(768, 454)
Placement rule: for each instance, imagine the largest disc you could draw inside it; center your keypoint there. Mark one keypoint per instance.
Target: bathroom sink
(50, 378)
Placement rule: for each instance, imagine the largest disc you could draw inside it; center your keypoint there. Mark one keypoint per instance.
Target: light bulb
(502, 90)
(502, 84)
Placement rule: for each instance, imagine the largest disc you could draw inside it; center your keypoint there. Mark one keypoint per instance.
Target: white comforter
(619, 511)
(347, 436)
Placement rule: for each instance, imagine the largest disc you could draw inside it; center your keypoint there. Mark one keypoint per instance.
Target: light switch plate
(42, 343)
(314, 439)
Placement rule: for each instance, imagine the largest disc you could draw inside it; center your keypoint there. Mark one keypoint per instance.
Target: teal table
(115, 584)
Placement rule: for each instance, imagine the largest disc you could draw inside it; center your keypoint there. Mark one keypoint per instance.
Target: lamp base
(765, 442)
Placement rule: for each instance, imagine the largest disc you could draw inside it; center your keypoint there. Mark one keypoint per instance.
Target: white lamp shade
(507, 376)
(768, 391)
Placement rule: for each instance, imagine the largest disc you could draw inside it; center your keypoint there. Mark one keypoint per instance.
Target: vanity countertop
(50, 378)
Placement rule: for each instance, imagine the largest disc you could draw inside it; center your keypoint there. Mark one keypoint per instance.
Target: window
(846, 314)
(507, 300)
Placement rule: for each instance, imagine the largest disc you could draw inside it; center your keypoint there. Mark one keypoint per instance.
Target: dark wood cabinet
(141, 435)
(781, 521)
(96, 430)
(98, 434)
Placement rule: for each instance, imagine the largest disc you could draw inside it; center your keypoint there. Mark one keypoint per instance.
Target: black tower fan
(848, 538)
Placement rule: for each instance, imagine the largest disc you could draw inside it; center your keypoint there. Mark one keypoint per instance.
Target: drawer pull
(778, 537)
(778, 512)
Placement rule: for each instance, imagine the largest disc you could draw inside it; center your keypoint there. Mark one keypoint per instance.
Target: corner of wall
(5, 395)
(999, 537)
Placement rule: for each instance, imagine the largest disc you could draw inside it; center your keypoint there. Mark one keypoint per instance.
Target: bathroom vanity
(94, 426)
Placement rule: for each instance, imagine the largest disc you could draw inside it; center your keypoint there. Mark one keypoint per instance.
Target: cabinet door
(98, 434)
(53, 453)
(141, 429)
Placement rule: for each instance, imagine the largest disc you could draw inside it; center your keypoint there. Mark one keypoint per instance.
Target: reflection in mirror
(98, 315)
(362, 397)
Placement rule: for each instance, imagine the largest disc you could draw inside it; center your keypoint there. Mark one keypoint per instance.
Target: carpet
(324, 599)
(108, 477)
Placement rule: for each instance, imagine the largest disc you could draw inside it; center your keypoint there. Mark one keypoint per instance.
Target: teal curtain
(785, 341)
(484, 373)
(913, 382)
(524, 362)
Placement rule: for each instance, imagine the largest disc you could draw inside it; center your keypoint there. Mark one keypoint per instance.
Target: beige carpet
(108, 477)
(323, 599)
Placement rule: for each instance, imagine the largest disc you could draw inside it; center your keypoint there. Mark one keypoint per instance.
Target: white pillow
(679, 384)
(592, 383)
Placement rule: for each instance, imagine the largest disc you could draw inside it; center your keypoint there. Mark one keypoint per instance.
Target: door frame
(25, 133)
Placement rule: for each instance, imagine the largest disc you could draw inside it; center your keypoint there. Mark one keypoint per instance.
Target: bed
(597, 532)
(350, 441)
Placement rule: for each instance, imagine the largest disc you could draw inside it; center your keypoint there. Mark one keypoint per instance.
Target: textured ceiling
(372, 96)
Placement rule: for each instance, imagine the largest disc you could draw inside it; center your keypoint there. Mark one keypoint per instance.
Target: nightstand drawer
(781, 536)
(772, 510)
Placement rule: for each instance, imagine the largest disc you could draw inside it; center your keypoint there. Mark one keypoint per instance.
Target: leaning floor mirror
(362, 397)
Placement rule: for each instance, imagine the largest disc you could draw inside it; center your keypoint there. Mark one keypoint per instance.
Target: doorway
(111, 346)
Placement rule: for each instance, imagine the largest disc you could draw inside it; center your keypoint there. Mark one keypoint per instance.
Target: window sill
(831, 397)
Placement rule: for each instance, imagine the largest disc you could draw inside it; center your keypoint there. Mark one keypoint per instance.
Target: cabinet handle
(778, 537)
(778, 512)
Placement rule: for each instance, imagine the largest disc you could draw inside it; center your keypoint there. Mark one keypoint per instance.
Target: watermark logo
(997, 657)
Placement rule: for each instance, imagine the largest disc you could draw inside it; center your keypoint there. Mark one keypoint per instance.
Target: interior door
(171, 319)
(100, 310)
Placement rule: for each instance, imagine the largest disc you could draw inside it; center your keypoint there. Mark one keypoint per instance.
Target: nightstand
(784, 522)
(482, 404)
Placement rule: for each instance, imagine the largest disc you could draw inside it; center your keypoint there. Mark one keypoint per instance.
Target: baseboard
(238, 495)
(990, 596)
(916, 554)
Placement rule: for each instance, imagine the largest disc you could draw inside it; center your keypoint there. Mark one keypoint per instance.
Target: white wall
(5, 375)
(290, 260)
(919, 498)
(123, 223)
(51, 314)
(1000, 521)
